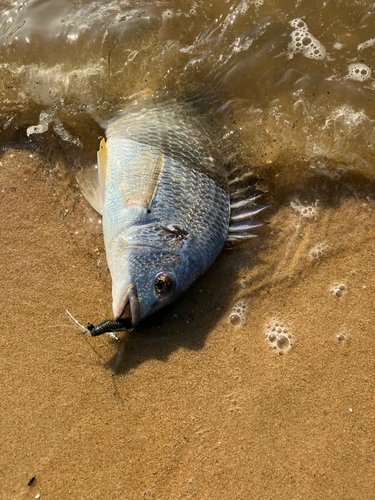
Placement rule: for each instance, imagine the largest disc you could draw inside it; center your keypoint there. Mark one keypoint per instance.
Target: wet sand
(197, 408)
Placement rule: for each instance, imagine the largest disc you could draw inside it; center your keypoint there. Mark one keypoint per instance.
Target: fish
(162, 190)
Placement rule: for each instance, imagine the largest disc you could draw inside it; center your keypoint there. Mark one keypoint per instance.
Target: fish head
(147, 280)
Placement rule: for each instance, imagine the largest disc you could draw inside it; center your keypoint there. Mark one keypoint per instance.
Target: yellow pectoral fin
(145, 176)
(102, 164)
(155, 177)
(88, 181)
(145, 181)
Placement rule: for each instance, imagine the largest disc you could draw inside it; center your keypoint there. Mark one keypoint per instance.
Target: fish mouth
(130, 296)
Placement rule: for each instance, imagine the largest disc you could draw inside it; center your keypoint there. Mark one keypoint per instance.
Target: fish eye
(164, 283)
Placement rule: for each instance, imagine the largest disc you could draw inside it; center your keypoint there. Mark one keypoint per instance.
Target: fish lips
(130, 296)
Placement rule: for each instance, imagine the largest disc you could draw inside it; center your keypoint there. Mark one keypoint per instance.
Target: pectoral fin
(88, 181)
(144, 179)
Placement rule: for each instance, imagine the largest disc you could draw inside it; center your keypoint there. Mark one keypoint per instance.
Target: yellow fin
(145, 175)
(88, 181)
(102, 165)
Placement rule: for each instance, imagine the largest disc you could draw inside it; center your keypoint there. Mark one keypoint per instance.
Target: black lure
(110, 326)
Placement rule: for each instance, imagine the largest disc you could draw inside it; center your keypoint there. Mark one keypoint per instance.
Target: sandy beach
(191, 406)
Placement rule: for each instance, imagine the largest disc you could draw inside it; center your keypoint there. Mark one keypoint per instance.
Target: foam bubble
(304, 42)
(359, 72)
(307, 211)
(343, 337)
(47, 117)
(278, 337)
(335, 174)
(167, 14)
(338, 289)
(318, 251)
(366, 44)
(237, 316)
(243, 7)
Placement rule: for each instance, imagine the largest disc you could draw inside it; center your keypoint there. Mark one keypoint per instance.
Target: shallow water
(257, 382)
(296, 77)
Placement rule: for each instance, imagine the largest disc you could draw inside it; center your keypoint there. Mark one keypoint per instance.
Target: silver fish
(163, 193)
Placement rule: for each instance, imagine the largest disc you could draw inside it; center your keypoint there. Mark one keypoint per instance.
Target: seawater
(288, 84)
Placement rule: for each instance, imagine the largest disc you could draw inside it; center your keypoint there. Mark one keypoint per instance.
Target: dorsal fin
(102, 165)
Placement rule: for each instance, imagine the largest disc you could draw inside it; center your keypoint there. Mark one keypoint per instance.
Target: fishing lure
(109, 326)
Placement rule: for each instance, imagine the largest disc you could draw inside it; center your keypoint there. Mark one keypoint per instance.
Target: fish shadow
(187, 322)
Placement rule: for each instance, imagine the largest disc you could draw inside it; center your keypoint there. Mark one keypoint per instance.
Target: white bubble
(45, 119)
(298, 24)
(304, 42)
(243, 7)
(318, 251)
(343, 337)
(335, 174)
(338, 289)
(359, 72)
(279, 337)
(167, 14)
(307, 211)
(238, 315)
(366, 44)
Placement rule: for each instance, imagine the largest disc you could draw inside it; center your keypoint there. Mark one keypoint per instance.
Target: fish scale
(198, 205)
